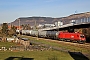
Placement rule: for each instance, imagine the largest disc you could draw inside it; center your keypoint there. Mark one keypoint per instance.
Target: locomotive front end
(82, 38)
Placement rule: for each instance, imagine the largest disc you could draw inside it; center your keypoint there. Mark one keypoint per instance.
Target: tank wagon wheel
(54, 37)
(61, 39)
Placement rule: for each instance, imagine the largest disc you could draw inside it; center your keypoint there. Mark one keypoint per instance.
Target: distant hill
(39, 20)
(48, 20)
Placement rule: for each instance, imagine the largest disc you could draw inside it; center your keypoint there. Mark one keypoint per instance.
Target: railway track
(86, 45)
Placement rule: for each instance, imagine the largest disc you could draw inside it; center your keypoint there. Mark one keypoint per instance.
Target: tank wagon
(34, 33)
(28, 32)
(23, 32)
(52, 34)
(42, 34)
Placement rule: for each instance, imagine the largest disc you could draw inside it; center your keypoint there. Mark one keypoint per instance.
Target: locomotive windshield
(82, 36)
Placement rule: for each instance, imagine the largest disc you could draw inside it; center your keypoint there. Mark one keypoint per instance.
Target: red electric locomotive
(78, 37)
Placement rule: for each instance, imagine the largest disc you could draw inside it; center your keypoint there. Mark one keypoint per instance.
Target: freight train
(58, 35)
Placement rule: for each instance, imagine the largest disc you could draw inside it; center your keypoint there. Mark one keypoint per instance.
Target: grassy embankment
(37, 55)
(40, 55)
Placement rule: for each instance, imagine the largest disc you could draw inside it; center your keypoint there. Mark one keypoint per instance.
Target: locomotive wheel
(62, 39)
(81, 42)
(65, 40)
(73, 41)
(68, 40)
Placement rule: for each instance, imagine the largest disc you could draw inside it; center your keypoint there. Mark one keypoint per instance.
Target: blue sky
(13, 9)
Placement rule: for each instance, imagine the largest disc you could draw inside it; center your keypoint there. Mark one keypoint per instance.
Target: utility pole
(36, 28)
(19, 25)
(35, 24)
